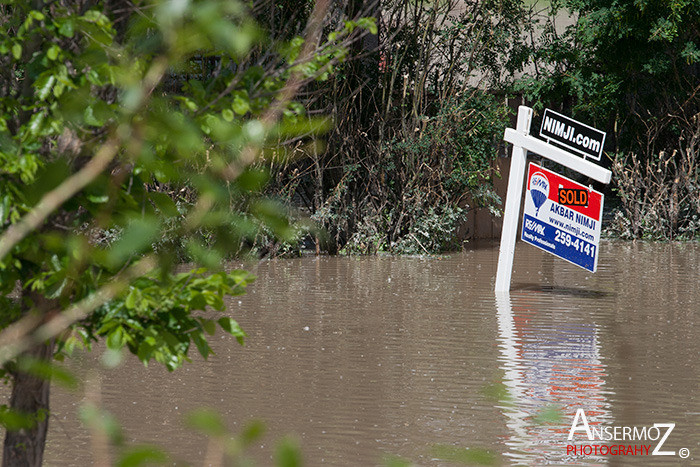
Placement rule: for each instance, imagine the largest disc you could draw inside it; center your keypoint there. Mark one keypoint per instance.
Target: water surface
(363, 357)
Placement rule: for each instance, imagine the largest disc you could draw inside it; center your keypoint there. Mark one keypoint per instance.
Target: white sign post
(522, 142)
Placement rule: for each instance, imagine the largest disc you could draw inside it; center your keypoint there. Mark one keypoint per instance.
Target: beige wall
(480, 223)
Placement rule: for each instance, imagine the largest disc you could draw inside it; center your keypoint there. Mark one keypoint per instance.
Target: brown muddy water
(360, 358)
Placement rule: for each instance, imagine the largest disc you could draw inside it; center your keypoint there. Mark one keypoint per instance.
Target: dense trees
(415, 128)
(126, 135)
(417, 125)
(631, 68)
(626, 65)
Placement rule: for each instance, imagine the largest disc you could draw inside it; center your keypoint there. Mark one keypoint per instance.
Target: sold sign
(562, 217)
(573, 196)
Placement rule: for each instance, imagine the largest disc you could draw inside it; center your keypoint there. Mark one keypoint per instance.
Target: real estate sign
(576, 136)
(562, 217)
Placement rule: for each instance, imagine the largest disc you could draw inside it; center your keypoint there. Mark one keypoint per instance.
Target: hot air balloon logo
(539, 190)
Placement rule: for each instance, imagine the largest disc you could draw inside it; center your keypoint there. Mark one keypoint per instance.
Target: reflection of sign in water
(548, 362)
(570, 231)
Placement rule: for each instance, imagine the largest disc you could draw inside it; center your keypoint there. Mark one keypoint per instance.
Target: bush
(414, 131)
(426, 181)
(660, 197)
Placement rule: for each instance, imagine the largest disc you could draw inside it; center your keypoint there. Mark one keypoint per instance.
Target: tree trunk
(30, 395)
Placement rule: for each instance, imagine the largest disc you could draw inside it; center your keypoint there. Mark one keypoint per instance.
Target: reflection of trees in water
(549, 363)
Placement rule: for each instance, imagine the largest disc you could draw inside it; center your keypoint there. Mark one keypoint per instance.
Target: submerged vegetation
(418, 115)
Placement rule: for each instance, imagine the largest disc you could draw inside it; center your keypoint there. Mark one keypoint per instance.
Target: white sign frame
(522, 142)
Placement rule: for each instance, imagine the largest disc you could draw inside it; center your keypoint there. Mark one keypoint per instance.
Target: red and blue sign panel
(562, 217)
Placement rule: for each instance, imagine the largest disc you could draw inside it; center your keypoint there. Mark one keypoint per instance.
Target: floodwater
(363, 358)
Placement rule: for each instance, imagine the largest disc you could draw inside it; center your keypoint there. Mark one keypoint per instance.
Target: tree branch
(18, 337)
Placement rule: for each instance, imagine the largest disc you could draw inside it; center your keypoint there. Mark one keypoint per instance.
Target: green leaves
(208, 325)
(17, 51)
(143, 455)
(241, 102)
(464, 456)
(53, 52)
(231, 326)
(234, 447)
(227, 115)
(35, 123)
(101, 421)
(273, 215)
(67, 27)
(138, 237)
(288, 453)
(46, 179)
(48, 371)
(164, 203)
(116, 338)
(14, 420)
(691, 53)
(210, 423)
(157, 160)
(139, 163)
(43, 86)
(370, 24)
(156, 317)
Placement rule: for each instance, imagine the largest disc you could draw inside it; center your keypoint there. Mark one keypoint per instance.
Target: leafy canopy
(626, 65)
(125, 144)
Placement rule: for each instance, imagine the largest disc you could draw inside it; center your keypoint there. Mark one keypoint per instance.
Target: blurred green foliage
(149, 118)
(465, 456)
(224, 447)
